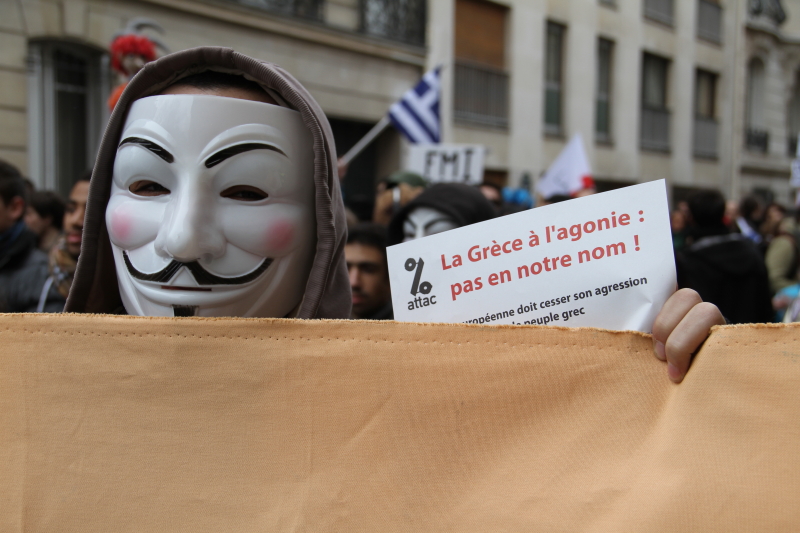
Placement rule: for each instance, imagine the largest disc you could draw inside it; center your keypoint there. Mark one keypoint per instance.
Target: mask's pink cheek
(132, 225)
(121, 224)
(279, 236)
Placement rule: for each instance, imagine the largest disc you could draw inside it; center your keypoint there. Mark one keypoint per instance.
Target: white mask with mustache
(212, 208)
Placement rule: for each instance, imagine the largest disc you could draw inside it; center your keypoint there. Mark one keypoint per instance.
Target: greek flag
(416, 115)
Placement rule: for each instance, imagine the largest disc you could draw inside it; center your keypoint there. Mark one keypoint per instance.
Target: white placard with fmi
(448, 163)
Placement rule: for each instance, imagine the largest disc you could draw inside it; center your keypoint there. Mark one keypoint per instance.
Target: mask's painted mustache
(201, 275)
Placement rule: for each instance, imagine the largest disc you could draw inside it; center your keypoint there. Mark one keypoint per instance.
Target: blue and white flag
(416, 114)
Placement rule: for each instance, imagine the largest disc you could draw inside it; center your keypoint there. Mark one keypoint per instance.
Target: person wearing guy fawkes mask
(217, 195)
(214, 194)
(439, 208)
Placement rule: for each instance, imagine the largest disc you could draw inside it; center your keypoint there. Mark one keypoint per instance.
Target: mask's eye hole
(244, 193)
(148, 188)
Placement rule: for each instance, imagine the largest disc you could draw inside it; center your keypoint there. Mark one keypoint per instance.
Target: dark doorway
(358, 186)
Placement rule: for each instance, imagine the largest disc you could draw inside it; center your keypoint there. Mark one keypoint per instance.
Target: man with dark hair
(725, 268)
(750, 213)
(45, 217)
(23, 267)
(365, 254)
(64, 255)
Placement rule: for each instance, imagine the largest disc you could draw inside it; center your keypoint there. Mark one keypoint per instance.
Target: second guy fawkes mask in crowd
(424, 221)
(212, 207)
(439, 208)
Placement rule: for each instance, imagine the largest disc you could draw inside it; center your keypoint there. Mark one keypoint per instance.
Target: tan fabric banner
(123, 424)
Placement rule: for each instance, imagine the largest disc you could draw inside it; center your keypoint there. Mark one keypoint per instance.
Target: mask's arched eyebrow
(436, 221)
(222, 155)
(150, 145)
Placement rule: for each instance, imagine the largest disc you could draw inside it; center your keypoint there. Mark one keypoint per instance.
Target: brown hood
(327, 295)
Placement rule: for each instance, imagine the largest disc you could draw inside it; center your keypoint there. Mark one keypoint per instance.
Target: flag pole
(365, 141)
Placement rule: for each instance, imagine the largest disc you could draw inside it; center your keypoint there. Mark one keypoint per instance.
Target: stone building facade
(657, 88)
(356, 57)
(702, 93)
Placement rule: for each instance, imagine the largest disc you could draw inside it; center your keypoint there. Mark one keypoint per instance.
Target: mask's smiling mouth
(200, 274)
(180, 288)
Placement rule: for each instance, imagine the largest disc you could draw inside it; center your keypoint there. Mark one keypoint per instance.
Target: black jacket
(23, 274)
(728, 271)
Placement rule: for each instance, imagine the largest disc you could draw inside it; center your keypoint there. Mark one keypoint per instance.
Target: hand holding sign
(604, 261)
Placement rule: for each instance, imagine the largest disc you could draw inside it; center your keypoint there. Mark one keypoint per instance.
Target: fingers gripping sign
(681, 327)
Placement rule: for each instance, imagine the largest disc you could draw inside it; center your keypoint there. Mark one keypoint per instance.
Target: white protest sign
(604, 260)
(448, 163)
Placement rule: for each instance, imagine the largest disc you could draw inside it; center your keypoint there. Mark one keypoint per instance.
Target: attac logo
(418, 287)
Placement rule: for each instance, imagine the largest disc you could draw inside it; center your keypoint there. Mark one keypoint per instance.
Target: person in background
(494, 194)
(677, 222)
(23, 267)
(365, 254)
(724, 268)
(395, 192)
(731, 213)
(64, 255)
(45, 217)
(782, 260)
(440, 208)
(750, 214)
(507, 200)
(770, 227)
(30, 188)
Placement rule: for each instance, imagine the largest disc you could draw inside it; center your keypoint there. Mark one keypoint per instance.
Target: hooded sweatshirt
(727, 270)
(327, 293)
(463, 204)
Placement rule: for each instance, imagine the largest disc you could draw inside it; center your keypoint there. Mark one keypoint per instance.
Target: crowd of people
(744, 257)
(40, 241)
(741, 256)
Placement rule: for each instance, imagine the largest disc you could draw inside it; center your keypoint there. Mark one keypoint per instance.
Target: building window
(705, 121)
(602, 122)
(709, 21)
(398, 20)
(756, 134)
(553, 78)
(307, 9)
(481, 81)
(659, 10)
(655, 116)
(68, 84)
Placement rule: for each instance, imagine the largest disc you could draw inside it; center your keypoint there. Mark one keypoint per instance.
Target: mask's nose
(190, 230)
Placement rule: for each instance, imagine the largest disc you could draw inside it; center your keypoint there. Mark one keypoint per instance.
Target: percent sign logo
(418, 287)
